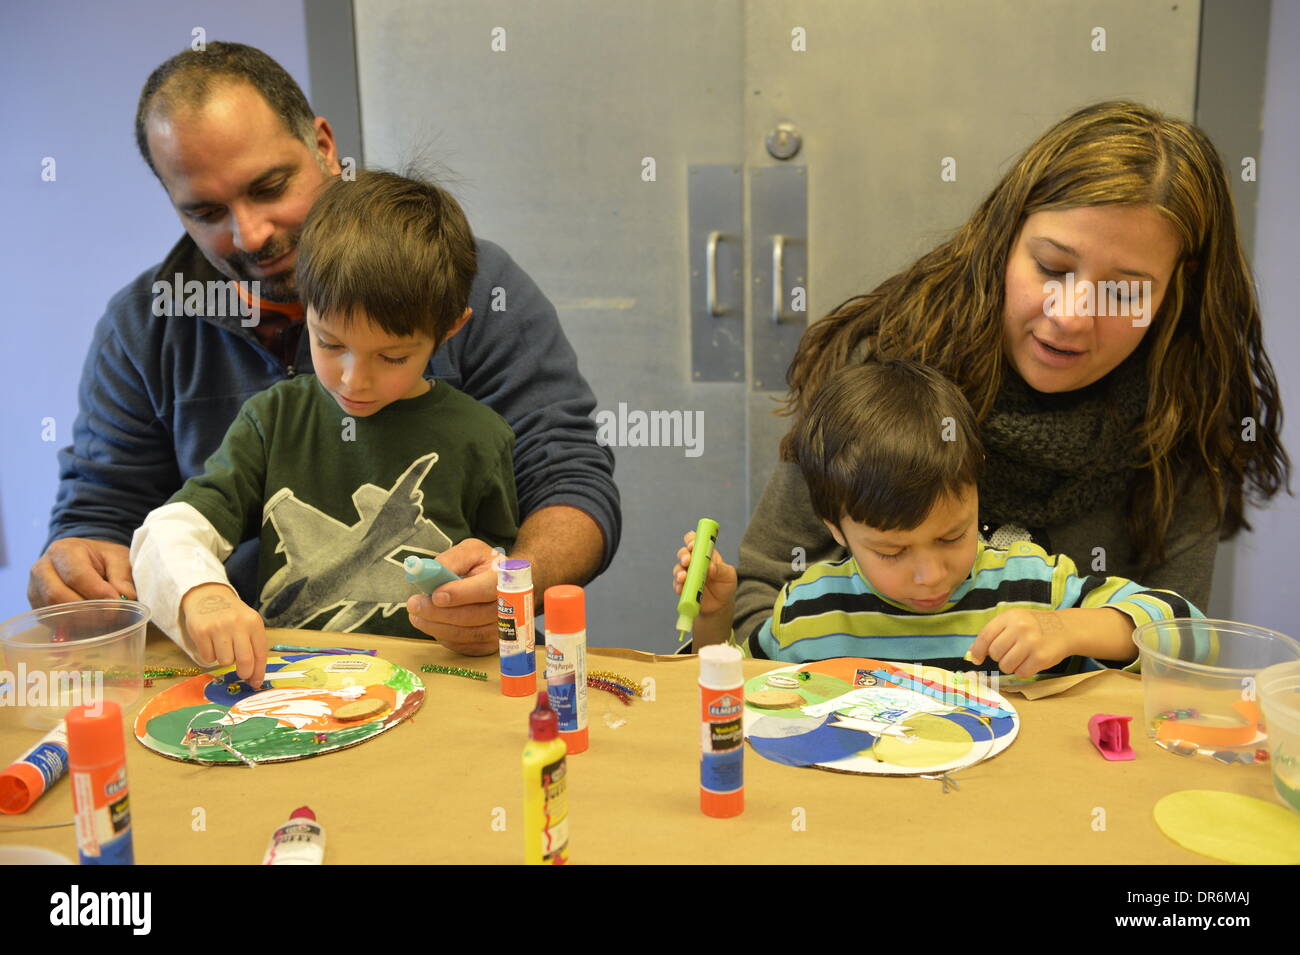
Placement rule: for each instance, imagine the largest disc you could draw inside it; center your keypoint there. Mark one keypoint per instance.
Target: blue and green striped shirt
(832, 611)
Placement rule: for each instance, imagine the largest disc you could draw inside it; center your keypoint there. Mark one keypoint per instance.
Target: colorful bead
(322, 737)
(1261, 756)
(148, 681)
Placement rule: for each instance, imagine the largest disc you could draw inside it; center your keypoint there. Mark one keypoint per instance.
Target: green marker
(688, 608)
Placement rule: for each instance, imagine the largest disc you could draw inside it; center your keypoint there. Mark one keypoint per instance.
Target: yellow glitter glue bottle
(546, 801)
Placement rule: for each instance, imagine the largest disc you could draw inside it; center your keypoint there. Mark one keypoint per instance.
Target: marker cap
(303, 812)
(95, 740)
(565, 607)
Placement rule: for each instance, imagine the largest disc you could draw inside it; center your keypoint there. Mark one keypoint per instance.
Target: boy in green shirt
(344, 473)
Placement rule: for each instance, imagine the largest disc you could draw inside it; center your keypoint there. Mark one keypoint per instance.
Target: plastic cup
(1279, 695)
(66, 655)
(1200, 685)
(31, 855)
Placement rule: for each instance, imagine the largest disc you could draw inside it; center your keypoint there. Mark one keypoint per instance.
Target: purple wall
(70, 74)
(1264, 575)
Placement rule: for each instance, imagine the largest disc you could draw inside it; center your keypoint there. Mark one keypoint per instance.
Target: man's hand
(80, 568)
(225, 629)
(462, 614)
(1023, 642)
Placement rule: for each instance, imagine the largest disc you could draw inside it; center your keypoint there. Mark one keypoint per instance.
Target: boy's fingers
(222, 651)
(980, 648)
(1013, 659)
(242, 647)
(258, 644)
(203, 647)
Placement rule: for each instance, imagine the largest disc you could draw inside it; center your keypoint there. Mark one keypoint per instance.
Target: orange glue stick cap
(565, 607)
(95, 734)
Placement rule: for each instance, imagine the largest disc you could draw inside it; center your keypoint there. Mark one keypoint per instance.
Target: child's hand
(1023, 642)
(719, 584)
(224, 628)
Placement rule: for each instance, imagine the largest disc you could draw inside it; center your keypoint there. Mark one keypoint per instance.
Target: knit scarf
(1052, 458)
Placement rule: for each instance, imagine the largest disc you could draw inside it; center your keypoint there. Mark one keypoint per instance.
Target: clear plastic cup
(66, 655)
(1279, 695)
(1199, 683)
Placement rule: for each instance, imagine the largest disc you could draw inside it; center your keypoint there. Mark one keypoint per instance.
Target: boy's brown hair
(883, 441)
(398, 249)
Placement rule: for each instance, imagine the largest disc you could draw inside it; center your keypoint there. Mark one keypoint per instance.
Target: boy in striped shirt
(892, 458)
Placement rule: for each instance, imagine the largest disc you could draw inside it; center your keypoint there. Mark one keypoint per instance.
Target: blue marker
(426, 573)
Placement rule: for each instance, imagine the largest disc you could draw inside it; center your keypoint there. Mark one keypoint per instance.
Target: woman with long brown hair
(1126, 421)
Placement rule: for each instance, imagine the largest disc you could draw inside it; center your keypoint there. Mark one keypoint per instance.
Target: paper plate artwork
(856, 715)
(311, 703)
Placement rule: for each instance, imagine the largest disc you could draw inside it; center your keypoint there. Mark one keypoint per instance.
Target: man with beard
(234, 143)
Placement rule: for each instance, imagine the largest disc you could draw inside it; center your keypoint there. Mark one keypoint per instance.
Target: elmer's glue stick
(97, 761)
(546, 801)
(722, 737)
(566, 662)
(300, 841)
(515, 625)
(34, 771)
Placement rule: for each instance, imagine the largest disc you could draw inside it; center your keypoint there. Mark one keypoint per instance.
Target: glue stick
(515, 626)
(34, 771)
(546, 802)
(100, 799)
(566, 662)
(722, 737)
(300, 841)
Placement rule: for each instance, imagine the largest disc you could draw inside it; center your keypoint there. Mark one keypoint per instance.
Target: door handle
(779, 314)
(711, 273)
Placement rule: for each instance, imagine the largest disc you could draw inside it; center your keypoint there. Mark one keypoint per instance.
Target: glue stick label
(103, 815)
(515, 629)
(722, 740)
(555, 814)
(566, 679)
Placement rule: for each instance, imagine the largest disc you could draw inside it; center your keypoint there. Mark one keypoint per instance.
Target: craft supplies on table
(566, 662)
(100, 795)
(35, 771)
(1198, 681)
(300, 841)
(722, 737)
(546, 782)
(515, 626)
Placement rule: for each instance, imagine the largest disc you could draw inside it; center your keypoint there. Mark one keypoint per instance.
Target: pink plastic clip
(1110, 735)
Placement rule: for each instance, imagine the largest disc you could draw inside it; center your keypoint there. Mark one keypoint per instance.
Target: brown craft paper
(445, 786)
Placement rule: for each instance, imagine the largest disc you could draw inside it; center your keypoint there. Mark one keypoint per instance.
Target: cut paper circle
(1230, 827)
(825, 744)
(873, 718)
(311, 703)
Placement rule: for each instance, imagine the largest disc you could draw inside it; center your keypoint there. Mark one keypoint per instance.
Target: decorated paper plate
(855, 715)
(311, 703)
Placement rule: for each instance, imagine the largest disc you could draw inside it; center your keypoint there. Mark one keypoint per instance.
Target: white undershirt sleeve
(175, 550)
